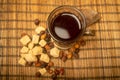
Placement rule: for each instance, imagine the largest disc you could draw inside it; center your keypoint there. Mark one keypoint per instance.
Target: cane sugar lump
(35, 39)
(30, 58)
(22, 62)
(42, 71)
(42, 43)
(30, 45)
(39, 29)
(54, 52)
(25, 40)
(37, 50)
(45, 58)
(24, 49)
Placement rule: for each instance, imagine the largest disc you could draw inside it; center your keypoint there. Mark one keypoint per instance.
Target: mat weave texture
(99, 59)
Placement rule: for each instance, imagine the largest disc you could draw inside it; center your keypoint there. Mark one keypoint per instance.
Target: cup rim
(66, 6)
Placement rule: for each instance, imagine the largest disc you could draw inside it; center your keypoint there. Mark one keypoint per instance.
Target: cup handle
(91, 17)
(89, 33)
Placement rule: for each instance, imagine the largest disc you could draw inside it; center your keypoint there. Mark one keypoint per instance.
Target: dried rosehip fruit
(72, 49)
(61, 54)
(37, 64)
(62, 71)
(43, 36)
(77, 51)
(50, 71)
(37, 74)
(76, 45)
(47, 47)
(50, 64)
(57, 72)
(76, 55)
(69, 55)
(47, 68)
(54, 76)
(64, 58)
(43, 64)
(42, 32)
(51, 44)
(82, 42)
(37, 21)
(48, 37)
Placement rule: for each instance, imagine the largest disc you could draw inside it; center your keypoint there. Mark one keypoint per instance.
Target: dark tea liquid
(66, 26)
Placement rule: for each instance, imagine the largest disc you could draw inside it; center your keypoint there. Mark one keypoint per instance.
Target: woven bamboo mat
(99, 59)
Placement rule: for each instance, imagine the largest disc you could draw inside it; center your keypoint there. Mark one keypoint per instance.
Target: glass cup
(65, 44)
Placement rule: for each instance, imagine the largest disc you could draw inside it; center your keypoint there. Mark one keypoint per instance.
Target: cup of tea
(66, 24)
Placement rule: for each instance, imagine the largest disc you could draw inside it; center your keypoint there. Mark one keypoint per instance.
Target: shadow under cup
(66, 24)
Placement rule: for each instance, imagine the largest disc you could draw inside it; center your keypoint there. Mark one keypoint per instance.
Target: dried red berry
(47, 68)
(82, 42)
(37, 21)
(48, 37)
(77, 51)
(37, 74)
(61, 54)
(37, 64)
(76, 45)
(51, 44)
(57, 72)
(43, 64)
(50, 64)
(47, 47)
(50, 71)
(76, 55)
(41, 33)
(64, 58)
(54, 76)
(62, 71)
(69, 55)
